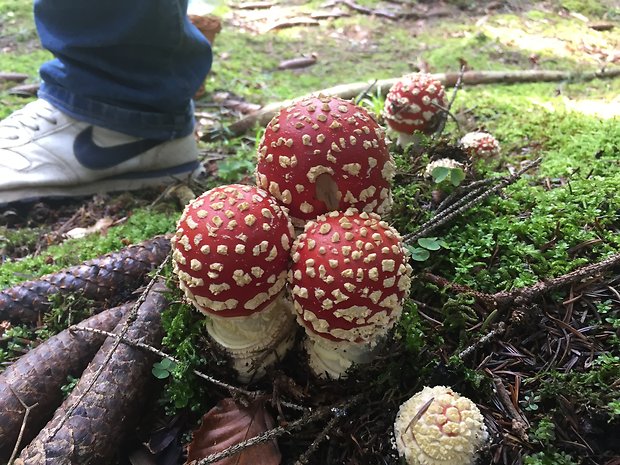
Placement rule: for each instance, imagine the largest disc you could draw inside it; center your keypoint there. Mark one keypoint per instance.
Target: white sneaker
(45, 153)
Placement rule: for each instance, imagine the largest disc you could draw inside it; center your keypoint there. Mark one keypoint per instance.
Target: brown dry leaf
(101, 226)
(228, 424)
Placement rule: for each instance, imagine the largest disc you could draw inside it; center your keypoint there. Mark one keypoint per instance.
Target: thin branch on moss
(472, 186)
(304, 458)
(20, 437)
(472, 199)
(447, 110)
(140, 345)
(501, 328)
(525, 295)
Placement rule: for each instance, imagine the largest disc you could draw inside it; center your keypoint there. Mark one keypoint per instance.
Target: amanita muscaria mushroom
(349, 278)
(322, 154)
(479, 144)
(414, 103)
(438, 426)
(231, 253)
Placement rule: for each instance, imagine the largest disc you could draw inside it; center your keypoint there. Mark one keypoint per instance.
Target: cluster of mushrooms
(306, 246)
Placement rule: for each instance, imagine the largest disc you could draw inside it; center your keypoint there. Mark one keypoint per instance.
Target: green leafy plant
(454, 176)
(422, 252)
(163, 369)
(549, 458)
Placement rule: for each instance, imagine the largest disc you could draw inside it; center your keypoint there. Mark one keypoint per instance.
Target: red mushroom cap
(479, 144)
(231, 250)
(349, 276)
(413, 102)
(322, 154)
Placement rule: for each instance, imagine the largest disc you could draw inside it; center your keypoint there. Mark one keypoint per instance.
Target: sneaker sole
(124, 182)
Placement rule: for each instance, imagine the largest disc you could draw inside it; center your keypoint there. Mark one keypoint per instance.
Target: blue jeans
(127, 65)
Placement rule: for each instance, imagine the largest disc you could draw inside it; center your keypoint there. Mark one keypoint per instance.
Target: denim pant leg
(127, 65)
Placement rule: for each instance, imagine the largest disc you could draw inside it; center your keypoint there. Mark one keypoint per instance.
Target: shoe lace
(28, 118)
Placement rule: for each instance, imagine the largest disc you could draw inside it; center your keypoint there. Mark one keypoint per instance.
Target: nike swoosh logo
(95, 157)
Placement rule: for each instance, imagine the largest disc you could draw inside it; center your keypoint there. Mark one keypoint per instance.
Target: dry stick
(131, 317)
(523, 296)
(527, 294)
(351, 90)
(310, 417)
(464, 205)
(27, 409)
(305, 457)
(446, 111)
(519, 422)
(501, 328)
(162, 354)
(474, 185)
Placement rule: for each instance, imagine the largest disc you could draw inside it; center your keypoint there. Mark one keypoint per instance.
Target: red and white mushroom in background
(415, 103)
(231, 253)
(348, 282)
(322, 154)
(438, 426)
(479, 144)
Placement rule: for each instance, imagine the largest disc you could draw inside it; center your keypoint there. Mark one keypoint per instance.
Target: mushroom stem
(405, 139)
(255, 342)
(331, 359)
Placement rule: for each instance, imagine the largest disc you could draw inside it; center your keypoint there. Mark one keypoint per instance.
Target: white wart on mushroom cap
(438, 426)
(479, 144)
(322, 154)
(231, 250)
(349, 277)
(414, 103)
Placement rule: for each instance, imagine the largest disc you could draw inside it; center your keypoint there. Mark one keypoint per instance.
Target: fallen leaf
(228, 424)
(101, 226)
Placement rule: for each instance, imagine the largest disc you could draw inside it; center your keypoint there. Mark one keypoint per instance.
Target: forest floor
(545, 375)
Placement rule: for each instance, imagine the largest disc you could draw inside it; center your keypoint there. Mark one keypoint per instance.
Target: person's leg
(115, 107)
(132, 66)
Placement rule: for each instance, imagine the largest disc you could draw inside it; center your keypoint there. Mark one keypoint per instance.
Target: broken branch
(350, 91)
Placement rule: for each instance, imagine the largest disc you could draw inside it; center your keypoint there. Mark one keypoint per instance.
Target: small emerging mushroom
(479, 144)
(416, 102)
(231, 253)
(438, 426)
(442, 163)
(349, 278)
(322, 154)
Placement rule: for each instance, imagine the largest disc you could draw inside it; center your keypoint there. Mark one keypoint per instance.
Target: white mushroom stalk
(438, 426)
(231, 255)
(349, 278)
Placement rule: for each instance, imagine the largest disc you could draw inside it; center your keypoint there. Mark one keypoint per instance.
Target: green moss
(142, 224)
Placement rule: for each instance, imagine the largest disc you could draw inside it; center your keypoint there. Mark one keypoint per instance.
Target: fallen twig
(368, 11)
(140, 345)
(350, 91)
(22, 428)
(473, 198)
(525, 295)
(13, 77)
